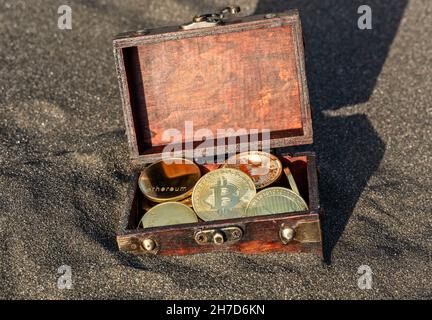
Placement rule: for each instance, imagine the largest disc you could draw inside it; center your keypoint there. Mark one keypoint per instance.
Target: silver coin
(275, 200)
(168, 213)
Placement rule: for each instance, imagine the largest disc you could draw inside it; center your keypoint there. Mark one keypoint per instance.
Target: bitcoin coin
(169, 180)
(222, 194)
(168, 213)
(264, 168)
(275, 200)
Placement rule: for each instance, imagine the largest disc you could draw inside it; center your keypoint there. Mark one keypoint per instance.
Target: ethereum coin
(168, 213)
(169, 180)
(222, 194)
(264, 168)
(275, 200)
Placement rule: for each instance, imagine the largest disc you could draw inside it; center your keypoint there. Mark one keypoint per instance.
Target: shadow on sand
(343, 64)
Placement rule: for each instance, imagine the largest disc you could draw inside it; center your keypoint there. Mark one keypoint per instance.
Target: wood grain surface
(248, 74)
(238, 80)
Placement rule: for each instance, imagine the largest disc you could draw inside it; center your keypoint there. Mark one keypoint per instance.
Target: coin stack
(176, 191)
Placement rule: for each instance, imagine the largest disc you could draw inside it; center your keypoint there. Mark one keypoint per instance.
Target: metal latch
(302, 231)
(219, 236)
(210, 19)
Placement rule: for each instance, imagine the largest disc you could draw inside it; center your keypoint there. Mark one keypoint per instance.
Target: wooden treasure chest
(197, 84)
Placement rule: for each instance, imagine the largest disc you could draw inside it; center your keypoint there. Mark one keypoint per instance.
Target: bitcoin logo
(222, 194)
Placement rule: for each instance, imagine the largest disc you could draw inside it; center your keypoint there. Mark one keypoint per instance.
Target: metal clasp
(210, 19)
(219, 236)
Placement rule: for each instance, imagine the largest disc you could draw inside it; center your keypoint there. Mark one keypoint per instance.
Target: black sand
(64, 159)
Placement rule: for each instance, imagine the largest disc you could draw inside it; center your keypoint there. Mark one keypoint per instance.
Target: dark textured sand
(64, 160)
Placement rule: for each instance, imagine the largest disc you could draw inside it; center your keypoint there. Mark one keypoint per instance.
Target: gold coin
(168, 213)
(264, 168)
(275, 200)
(169, 180)
(222, 194)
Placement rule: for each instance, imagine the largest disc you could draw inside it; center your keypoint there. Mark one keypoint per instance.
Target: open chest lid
(198, 87)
